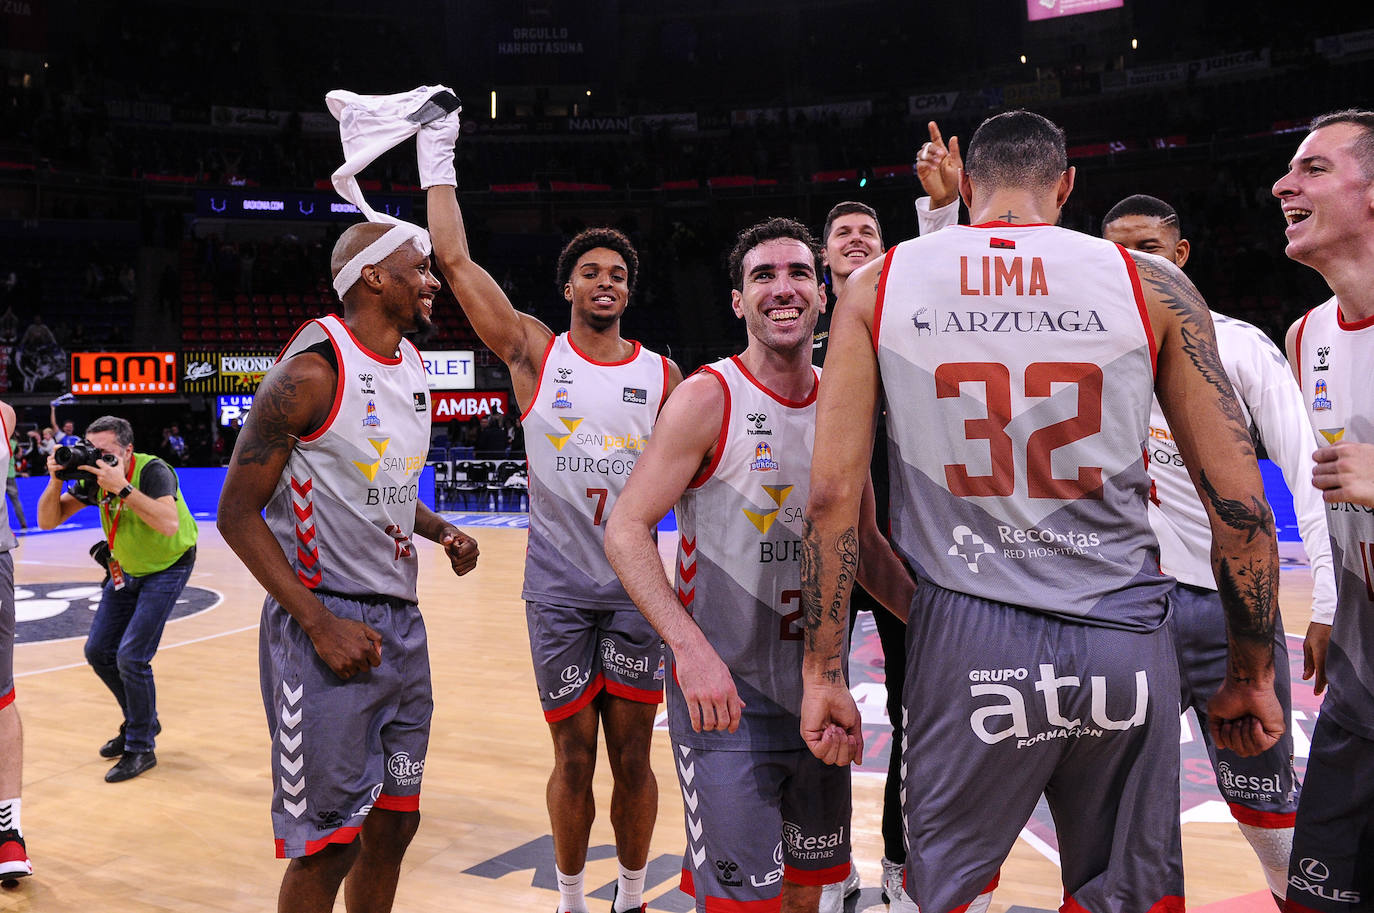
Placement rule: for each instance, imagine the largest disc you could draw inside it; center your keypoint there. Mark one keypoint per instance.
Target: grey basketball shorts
(1004, 704)
(1332, 866)
(578, 653)
(755, 818)
(1261, 791)
(342, 748)
(7, 628)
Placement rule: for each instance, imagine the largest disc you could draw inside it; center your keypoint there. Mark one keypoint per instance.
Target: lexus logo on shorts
(571, 673)
(1314, 869)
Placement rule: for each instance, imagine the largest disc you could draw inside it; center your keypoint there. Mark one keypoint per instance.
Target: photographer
(152, 548)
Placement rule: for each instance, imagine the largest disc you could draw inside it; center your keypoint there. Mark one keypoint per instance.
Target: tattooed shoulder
(286, 406)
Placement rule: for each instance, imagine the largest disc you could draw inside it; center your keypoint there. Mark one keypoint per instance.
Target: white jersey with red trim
(1018, 368)
(344, 510)
(1273, 407)
(8, 540)
(584, 431)
(740, 528)
(1334, 362)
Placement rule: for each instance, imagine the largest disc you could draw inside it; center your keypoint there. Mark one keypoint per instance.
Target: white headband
(391, 241)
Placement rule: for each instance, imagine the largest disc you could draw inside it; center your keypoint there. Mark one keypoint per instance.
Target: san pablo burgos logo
(1321, 364)
(759, 419)
(366, 380)
(969, 546)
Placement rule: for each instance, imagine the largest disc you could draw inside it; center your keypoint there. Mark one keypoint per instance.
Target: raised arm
(683, 439)
(517, 339)
(937, 168)
(294, 399)
(845, 411)
(1205, 418)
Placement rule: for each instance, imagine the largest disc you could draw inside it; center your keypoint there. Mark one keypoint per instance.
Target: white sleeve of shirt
(930, 220)
(1278, 411)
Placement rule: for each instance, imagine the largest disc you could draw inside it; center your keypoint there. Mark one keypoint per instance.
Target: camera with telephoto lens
(83, 453)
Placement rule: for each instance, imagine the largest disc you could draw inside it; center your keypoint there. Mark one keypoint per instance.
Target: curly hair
(590, 239)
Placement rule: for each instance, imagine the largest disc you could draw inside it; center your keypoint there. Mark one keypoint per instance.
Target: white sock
(629, 889)
(570, 896)
(9, 815)
(1272, 845)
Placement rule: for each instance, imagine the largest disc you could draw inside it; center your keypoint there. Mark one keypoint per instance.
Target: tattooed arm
(847, 403)
(1205, 417)
(293, 400)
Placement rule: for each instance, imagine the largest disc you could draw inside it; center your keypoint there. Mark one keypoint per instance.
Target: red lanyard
(105, 506)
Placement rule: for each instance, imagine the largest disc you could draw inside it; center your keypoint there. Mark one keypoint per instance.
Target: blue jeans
(124, 636)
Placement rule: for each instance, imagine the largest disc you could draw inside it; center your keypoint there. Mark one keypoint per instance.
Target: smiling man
(332, 452)
(1328, 201)
(767, 823)
(588, 400)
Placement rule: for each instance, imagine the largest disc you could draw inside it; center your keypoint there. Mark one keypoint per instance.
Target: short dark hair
(1016, 149)
(770, 230)
(1364, 144)
(1142, 204)
(123, 431)
(849, 207)
(590, 239)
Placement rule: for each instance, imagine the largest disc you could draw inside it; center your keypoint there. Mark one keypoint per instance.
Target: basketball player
(1328, 200)
(852, 238)
(14, 857)
(588, 401)
(1038, 655)
(333, 451)
(1262, 792)
(765, 820)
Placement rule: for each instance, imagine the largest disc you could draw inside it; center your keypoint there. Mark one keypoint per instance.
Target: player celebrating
(1328, 200)
(732, 451)
(1038, 656)
(588, 401)
(333, 450)
(1272, 406)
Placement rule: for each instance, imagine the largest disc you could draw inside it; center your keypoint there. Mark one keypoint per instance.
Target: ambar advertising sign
(107, 373)
(224, 372)
(445, 407)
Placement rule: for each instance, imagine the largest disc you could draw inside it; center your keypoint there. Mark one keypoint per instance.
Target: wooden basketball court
(193, 834)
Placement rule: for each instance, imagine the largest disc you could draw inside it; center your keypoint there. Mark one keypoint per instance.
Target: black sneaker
(115, 747)
(14, 858)
(130, 765)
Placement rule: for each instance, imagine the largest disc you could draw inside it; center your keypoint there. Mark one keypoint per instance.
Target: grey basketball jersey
(7, 538)
(739, 559)
(1334, 361)
(1018, 367)
(344, 510)
(584, 430)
